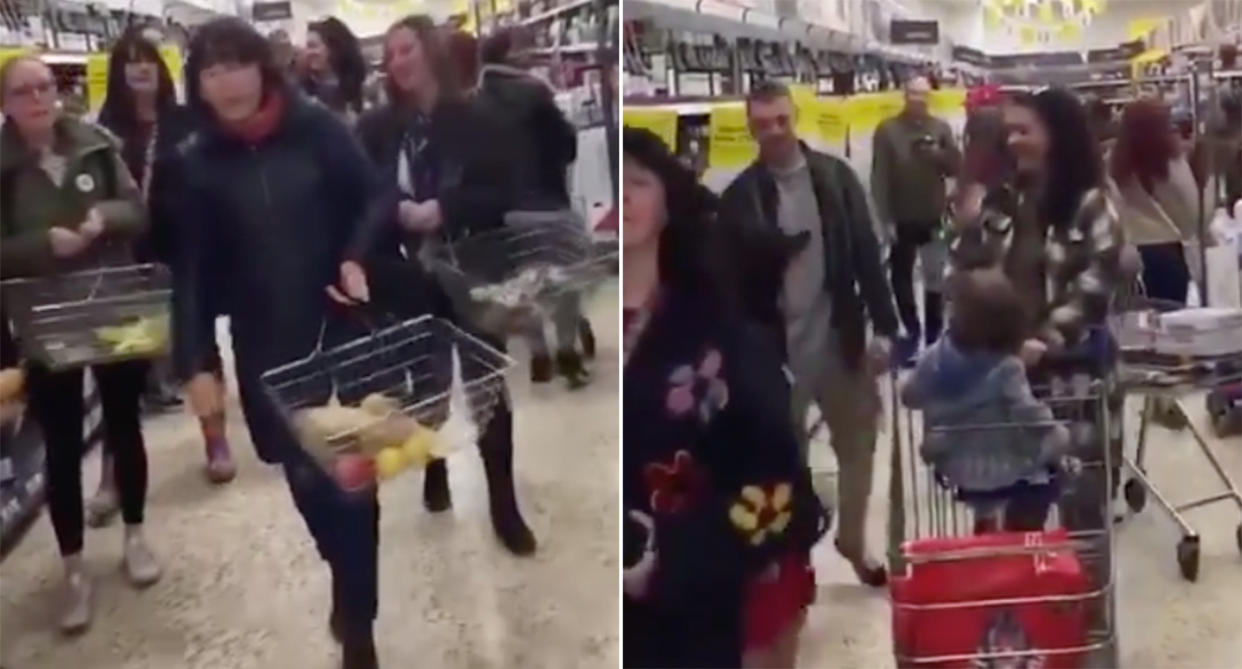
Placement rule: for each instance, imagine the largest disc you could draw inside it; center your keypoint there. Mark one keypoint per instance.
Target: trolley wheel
(1135, 494)
(1188, 557)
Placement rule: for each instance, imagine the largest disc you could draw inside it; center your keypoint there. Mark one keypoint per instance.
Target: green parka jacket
(31, 203)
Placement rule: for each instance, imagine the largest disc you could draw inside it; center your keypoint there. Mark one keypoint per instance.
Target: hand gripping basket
(507, 279)
(391, 400)
(91, 317)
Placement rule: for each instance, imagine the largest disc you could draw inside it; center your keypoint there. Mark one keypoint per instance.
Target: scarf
(262, 123)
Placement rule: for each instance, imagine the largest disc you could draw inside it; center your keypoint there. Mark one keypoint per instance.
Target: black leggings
(911, 236)
(56, 403)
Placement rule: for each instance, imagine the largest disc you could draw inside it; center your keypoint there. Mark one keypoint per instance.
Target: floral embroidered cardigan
(715, 490)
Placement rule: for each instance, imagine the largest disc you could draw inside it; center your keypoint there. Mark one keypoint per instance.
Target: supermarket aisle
(1164, 621)
(243, 587)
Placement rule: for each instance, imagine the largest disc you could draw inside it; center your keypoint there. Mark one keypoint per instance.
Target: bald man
(912, 155)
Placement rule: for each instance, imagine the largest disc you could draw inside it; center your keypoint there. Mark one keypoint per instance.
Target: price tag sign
(96, 79)
(731, 144)
(947, 101)
(832, 119)
(662, 122)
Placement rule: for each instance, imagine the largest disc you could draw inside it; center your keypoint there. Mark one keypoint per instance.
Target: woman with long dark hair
(720, 515)
(333, 67)
(68, 203)
(276, 189)
(448, 172)
(1159, 203)
(141, 109)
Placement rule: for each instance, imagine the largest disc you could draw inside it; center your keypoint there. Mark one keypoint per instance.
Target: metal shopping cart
(91, 317)
(385, 402)
(507, 279)
(1034, 599)
(1165, 357)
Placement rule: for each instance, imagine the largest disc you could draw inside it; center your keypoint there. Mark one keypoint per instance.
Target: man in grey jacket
(817, 299)
(912, 155)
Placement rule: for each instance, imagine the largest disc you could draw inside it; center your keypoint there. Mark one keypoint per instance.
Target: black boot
(933, 305)
(540, 368)
(358, 649)
(587, 336)
(496, 449)
(436, 496)
(569, 364)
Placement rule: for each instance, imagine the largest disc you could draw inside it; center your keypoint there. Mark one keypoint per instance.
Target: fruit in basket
(353, 471)
(388, 432)
(379, 405)
(145, 335)
(420, 447)
(389, 462)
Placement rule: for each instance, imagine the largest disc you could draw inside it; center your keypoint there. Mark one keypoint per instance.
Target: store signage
(1041, 59)
(971, 56)
(272, 11)
(902, 31)
(1119, 53)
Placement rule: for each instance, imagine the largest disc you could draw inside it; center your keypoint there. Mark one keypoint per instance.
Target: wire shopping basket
(506, 279)
(391, 400)
(91, 317)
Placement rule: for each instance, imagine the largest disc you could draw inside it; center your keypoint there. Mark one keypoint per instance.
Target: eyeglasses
(30, 91)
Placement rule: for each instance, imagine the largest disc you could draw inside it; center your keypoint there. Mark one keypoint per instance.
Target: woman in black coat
(447, 169)
(275, 190)
(720, 515)
(141, 110)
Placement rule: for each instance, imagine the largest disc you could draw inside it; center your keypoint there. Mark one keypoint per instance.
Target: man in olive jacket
(912, 155)
(817, 294)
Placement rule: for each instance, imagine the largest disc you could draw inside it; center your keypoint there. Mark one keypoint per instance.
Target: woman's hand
(204, 396)
(93, 226)
(1032, 352)
(353, 288)
(419, 216)
(66, 243)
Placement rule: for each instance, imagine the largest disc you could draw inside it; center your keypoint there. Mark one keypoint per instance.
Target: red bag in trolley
(992, 600)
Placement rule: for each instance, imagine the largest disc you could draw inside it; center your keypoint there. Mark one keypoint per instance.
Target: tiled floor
(244, 588)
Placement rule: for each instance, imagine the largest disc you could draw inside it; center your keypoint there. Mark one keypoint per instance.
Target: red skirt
(776, 599)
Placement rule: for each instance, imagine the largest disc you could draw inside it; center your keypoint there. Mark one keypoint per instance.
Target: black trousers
(911, 236)
(56, 403)
(1165, 273)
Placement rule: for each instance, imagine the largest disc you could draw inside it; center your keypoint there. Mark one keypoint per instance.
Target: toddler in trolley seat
(987, 436)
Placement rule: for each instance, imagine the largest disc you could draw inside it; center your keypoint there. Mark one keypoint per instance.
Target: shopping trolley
(91, 317)
(1163, 361)
(1032, 599)
(384, 402)
(506, 279)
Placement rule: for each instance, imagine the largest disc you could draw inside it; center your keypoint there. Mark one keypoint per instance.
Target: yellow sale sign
(662, 122)
(730, 142)
(832, 119)
(868, 110)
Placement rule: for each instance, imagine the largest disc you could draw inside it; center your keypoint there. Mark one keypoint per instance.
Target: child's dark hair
(987, 312)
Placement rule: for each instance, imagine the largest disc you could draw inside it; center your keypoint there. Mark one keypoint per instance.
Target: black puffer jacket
(266, 227)
(545, 143)
(474, 170)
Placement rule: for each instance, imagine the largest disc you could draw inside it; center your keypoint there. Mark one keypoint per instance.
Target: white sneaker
(76, 615)
(140, 563)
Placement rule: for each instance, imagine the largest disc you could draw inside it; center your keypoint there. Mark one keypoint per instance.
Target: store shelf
(557, 11)
(582, 47)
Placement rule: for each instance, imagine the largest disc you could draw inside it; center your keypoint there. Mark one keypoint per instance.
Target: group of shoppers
(785, 270)
(272, 210)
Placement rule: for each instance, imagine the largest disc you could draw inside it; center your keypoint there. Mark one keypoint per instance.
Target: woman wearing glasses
(67, 203)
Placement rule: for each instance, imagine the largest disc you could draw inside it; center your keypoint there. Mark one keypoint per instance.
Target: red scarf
(262, 123)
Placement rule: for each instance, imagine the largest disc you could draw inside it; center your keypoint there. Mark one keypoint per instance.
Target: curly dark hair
(1073, 166)
(118, 113)
(690, 247)
(228, 40)
(1145, 144)
(344, 57)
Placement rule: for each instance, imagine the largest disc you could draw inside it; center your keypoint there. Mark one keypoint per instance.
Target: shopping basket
(91, 317)
(508, 279)
(1031, 599)
(391, 400)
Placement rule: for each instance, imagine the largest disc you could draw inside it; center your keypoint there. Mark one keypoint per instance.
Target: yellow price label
(661, 122)
(947, 101)
(807, 106)
(96, 80)
(868, 110)
(731, 143)
(171, 56)
(832, 119)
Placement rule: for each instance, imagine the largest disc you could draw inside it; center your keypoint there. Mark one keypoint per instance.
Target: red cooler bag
(1052, 572)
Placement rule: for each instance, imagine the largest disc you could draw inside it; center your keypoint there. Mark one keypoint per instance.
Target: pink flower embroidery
(701, 388)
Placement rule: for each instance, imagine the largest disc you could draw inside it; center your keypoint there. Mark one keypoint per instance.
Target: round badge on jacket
(85, 183)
